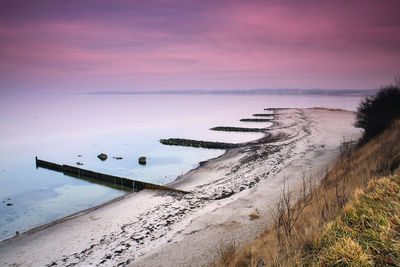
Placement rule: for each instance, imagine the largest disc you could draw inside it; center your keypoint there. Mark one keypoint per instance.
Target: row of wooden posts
(101, 177)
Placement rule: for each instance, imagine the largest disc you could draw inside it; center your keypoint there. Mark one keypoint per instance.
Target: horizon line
(283, 91)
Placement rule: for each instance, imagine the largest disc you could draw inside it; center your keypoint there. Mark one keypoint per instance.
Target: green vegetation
(367, 233)
(376, 113)
(236, 129)
(196, 143)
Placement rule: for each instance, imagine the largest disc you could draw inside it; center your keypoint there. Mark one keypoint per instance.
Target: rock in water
(142, 160)
(102, 156)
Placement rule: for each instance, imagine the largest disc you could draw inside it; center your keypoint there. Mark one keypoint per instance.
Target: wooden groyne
(237, 129)
(113, 180)
(196, 143)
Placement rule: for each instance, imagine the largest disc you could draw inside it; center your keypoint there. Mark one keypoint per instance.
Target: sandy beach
(156, 228)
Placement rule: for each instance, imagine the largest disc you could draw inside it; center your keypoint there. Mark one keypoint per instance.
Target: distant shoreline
(303, 92)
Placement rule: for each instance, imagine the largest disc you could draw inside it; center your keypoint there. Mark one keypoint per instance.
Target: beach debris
(254, 215)
(10, 204)
(79, 163)
(117, 158)
(142, 160)
(17, 232)
(102, 156)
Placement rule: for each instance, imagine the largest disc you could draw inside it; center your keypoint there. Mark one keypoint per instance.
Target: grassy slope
(366, 233)
(330, 231)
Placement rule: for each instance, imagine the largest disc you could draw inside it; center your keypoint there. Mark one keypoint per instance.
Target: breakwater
(111, 179)
(262, 115)
(256, 120)
(197, 143)
(236, 129)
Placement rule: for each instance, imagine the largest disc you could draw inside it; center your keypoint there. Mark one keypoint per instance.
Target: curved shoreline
(85, 211)
(150, 228)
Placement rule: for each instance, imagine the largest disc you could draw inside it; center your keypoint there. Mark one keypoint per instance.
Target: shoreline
(114, 233)
(85, 211)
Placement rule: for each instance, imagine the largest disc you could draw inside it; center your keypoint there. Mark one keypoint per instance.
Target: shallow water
(69, 128)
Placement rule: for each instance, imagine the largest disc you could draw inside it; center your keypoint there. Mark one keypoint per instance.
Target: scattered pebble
(10, 204)
(117, 157)
(79, 163)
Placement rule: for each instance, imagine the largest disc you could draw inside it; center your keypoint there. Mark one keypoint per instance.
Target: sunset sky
(86, 46)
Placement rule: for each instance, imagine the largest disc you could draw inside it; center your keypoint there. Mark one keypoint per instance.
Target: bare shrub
(377, 113)
(289, 206)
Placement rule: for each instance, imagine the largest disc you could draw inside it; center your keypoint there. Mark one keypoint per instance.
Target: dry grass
(367, 232)
(352, 173)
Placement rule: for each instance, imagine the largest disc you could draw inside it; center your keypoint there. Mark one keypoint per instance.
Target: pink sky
(84, 46)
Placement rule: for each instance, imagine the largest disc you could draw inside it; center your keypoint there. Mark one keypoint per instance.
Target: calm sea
(67, 129)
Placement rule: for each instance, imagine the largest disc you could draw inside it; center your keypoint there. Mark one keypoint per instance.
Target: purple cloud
(138, 45)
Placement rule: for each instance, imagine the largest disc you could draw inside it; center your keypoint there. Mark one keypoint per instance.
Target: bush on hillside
(377, 113)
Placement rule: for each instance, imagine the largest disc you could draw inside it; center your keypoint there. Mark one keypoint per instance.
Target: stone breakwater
(237, 129)
(262, 115)
(256, 120)
(196, 143)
